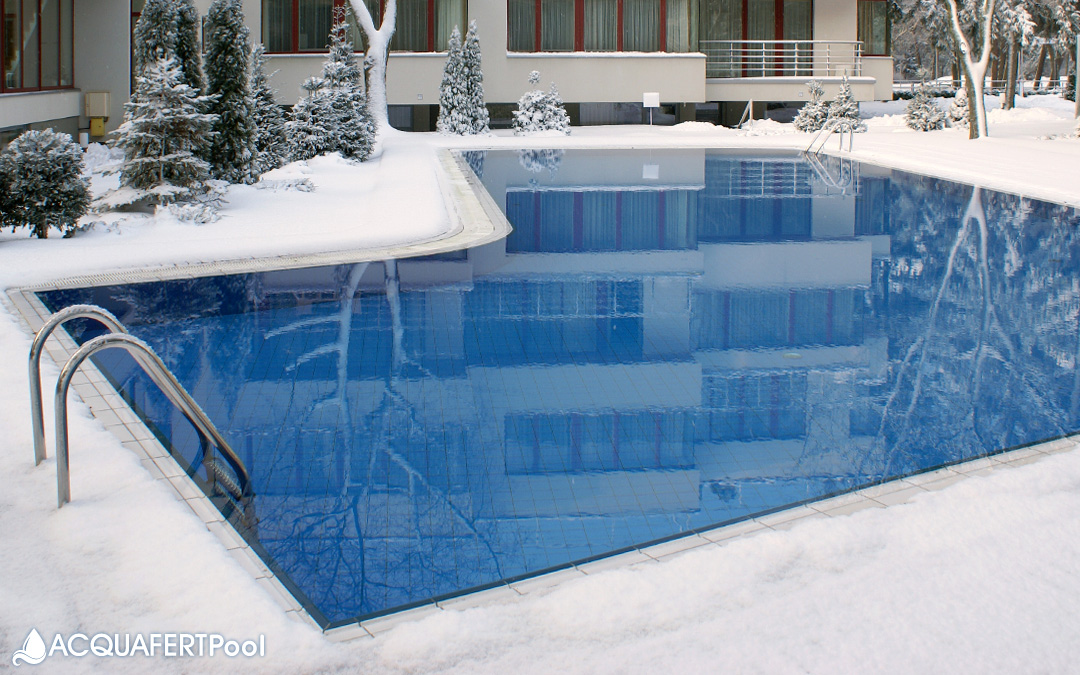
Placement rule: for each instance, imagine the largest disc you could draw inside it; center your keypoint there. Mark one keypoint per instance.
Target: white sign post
(650, 100)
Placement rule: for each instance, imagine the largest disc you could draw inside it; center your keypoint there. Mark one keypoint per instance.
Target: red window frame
(294, 37)
(4, 89)
(579, 26)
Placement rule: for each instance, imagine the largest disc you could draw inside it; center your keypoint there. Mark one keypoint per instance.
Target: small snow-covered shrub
(41, 183)
(285, 185)
(958, 109)
(922, 114)
(195, 212)
(813, 114)
(540, 111)
(845, 107)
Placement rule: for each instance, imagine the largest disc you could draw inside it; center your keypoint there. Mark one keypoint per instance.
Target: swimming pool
(666, 342)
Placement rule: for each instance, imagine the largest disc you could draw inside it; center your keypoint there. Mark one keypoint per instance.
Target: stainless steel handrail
(765, 58)
(239, 490)
(830, 127)
(37, 417)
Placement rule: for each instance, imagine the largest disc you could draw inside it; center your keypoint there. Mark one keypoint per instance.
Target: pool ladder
(831, 126)
(232, 483)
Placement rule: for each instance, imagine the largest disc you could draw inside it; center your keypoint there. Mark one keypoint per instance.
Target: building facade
(60, 57)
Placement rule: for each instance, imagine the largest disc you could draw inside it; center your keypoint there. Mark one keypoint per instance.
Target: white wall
(103, 54)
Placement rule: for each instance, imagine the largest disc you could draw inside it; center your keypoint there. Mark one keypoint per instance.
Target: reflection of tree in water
(381, 503)
(995, 328)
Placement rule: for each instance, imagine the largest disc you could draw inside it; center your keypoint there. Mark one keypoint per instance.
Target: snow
(978, 577)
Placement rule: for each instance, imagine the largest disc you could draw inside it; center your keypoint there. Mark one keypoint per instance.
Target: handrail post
(159, 373)
(52, 323)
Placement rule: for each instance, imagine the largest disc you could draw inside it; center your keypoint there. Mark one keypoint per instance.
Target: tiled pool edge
(117, 417)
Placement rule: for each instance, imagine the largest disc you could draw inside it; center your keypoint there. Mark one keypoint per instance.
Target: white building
(707, 56)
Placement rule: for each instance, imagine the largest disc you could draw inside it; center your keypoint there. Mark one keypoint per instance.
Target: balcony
(726, 59)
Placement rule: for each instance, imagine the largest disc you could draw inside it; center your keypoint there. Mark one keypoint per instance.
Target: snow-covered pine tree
(42, 178)
(334, 115)
(452, 89)
(922, 114)
(163, 134)
(309, 129)
(169, 28)
(271, 147)
(845, 107)
(958, 109)
(188, 49)
(814, 112)
(232, 150)
(154, 36)
(540, 111)
(474, 82)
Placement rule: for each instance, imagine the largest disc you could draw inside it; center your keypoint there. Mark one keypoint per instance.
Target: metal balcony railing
(781, 58)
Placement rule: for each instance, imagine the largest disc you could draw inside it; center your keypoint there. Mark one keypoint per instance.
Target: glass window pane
(680, 25)
(411, 32)
(798, 20)
(601, 25)
(641, 25)
(521, 31)
(874, 27)
(448, 14)
(29, 44)
(557, 25)
(67, 11)
(50, 43)
(277, 25)
(761, 22)
(12, 53)
(316, 16)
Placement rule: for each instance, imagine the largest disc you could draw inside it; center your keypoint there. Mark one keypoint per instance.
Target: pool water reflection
(668, 340)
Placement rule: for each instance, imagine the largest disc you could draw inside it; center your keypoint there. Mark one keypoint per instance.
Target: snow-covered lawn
(979, 577)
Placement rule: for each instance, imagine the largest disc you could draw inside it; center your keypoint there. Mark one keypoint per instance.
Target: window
(874, 27)
(600, 25)
(36, 44)
(291, 26)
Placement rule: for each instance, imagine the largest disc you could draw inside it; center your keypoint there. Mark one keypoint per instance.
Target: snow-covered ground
(979, 577)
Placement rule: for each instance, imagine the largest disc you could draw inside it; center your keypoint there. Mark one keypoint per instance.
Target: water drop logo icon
(32, 652)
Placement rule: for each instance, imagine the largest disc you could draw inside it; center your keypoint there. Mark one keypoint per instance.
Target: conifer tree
(474, 82)
(452, 89)
(188, 50)
(845, 107)
(271, 147)
(154, 36)
(232, 151)
(813, 114)
(169, 28)
(334, 115)
(163, 135)
(41, 176)
(922, 114)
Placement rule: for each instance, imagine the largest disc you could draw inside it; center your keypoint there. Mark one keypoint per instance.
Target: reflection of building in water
(641, 356)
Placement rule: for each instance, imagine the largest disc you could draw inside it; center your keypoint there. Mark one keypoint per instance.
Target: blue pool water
(668, 341)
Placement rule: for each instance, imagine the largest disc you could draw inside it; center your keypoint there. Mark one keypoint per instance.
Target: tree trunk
(974, 63)
(1008, 102)
(378, 49)
(1040, 66)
